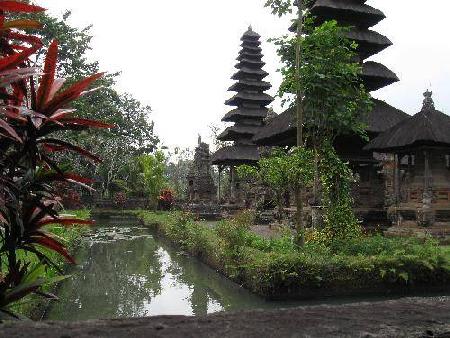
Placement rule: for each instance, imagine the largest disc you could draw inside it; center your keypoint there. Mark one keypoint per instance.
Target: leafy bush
(279, 268)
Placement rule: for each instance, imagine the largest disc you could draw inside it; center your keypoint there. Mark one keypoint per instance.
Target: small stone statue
(428, 103)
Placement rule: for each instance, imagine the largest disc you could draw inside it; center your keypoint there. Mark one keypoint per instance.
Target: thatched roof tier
(243, 113)
(250, 34)
(359, 2)
(238, 132)
(382, 117)
(369, 42)
(236, 155)
(253, 98)
(250, 63)
(282, 129)
(376, 76)
(251, 43)
(247, 55)
(246, 73)
(250, 85)
(429, 127)
(251, 49)
(347, 13)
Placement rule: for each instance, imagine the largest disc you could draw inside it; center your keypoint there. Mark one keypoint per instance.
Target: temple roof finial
(250, 28)
(428, 103)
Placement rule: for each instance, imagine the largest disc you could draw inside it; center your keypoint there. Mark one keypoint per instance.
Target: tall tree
(319, 68)
(134, 132)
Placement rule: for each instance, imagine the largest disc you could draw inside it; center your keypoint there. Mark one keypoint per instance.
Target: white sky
(178, 56)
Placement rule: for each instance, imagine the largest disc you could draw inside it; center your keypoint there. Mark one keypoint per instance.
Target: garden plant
(34, 112)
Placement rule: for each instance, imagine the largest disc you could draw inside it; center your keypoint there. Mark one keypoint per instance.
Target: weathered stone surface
(409, 317)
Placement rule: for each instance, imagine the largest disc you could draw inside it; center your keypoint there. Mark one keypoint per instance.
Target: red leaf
(22, 24)
(70, 94)
(70, 147)
(49, 76)
(78, 178)
(17, 58)
(15, 6)
(63, 221)
(54, 245)
(31, 39)
(87, 123)
(4, 125)
(57, 84)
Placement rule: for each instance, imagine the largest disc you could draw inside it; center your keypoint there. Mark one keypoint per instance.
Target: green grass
(277, 268)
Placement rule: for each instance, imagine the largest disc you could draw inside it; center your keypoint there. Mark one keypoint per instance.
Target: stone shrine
(201, 186)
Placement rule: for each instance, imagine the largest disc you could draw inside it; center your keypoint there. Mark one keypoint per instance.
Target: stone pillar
(397, 181)
(233, 184)
(427, 216)
(219, 185)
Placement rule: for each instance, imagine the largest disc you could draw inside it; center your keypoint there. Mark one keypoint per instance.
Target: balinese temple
(250, 102)
(421, 145)
(370, 192)
(201, 186)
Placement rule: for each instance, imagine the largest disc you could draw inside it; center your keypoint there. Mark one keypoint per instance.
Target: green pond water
(126, 272)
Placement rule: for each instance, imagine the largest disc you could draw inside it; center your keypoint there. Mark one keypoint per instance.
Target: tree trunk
(299, 216)
(299, 100)
(280, 207)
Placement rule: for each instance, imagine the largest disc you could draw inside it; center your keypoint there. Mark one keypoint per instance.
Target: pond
(126, 272)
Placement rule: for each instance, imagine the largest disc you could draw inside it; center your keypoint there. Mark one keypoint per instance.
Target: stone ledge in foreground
(408, 317)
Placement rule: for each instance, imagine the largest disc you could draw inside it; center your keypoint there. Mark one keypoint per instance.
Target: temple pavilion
(281, 131)
(421, 145)
(250, 102)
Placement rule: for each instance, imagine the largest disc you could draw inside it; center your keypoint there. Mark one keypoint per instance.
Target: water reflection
(126, 272)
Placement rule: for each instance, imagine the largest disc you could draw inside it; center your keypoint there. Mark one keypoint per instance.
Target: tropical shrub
(165, 200)
(32, 116)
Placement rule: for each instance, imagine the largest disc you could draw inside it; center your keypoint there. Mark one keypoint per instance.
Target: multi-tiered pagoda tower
(360, 17)
(251, 103)
(370, 195)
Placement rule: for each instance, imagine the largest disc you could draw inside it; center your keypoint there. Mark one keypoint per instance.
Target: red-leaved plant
(31, 112)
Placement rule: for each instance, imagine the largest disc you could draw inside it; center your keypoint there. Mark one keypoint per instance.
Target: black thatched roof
(359, 16)
(239, 113)
(369, 42)
(236, 155)
(250, 34)
(238, 132)
(243, 97)
(246, 72)
(249, 84)
(376, 76)
(251, 43)
(250, 63)
(248, 55)
(383, 116)
(429, 127)
(347, 12)
(282, 129)
(249, 48)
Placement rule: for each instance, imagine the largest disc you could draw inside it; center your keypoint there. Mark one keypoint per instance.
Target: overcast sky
(178, 56)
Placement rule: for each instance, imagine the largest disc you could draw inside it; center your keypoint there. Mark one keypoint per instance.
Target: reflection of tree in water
(122, 275)
(209, 287)
(115, 280)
